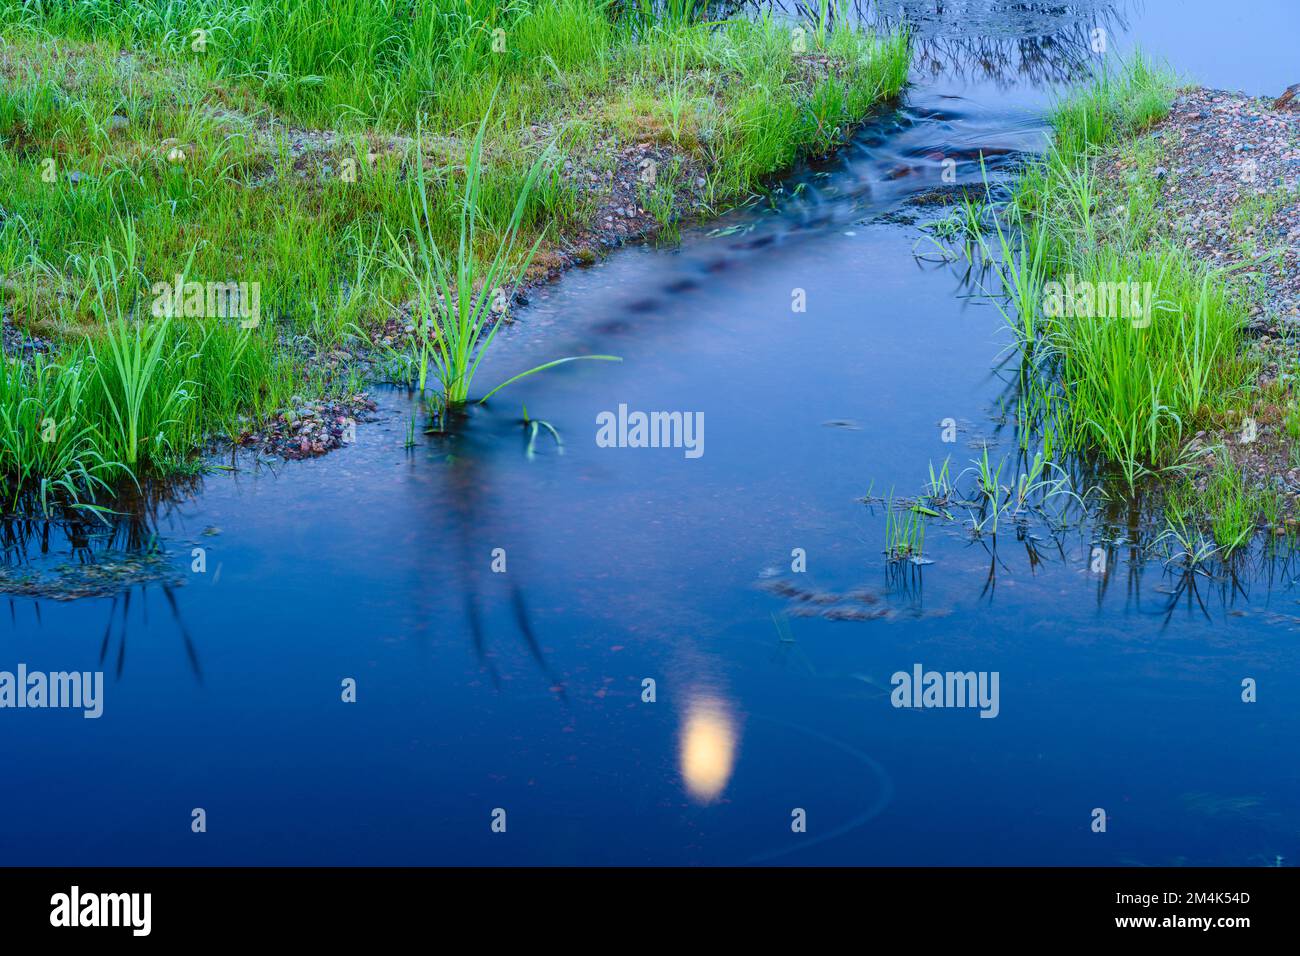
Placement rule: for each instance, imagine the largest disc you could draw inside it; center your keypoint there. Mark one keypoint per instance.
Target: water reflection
(709, 737)
(484, 566)
(1004, 42)
(1008, 43)
(70, 552)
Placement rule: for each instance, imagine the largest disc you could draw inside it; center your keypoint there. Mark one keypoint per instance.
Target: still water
(523, 691)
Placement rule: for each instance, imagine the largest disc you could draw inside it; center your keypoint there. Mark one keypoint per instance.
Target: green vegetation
(1292, 422)
(1219, 516)
(1031, 489)
(965, 224)
(453, 302)
(140, 394)
(358, 161)
(534, 426)
(1184, 541)
(1137, 343)
(904, 532)
(1128, 345)
(281, 149)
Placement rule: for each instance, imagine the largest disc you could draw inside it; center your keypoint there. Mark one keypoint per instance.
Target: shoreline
(198, 172)
(1228, 174)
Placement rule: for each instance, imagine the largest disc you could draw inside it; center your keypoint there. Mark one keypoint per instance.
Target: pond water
(522, 691)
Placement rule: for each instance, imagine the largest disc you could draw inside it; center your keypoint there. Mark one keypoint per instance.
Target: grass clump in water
(1130, 341)
(455, 298)
(904, 532)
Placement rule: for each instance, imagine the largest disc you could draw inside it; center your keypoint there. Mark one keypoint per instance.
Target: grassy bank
(1131, 346)
(221, 158)
(1134, 383)
(319, 151)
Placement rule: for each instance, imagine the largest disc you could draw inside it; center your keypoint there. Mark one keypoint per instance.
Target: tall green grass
(1134, 389)
(48, 447)
(132, 395)
(733, 97)
(456, 297)
(325, 61)
(137, 401)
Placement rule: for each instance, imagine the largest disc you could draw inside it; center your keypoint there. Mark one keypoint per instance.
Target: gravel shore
(1231, 168)
(1230, 177)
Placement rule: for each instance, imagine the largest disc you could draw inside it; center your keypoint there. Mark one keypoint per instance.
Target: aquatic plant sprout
(904, 532)
(534, 426)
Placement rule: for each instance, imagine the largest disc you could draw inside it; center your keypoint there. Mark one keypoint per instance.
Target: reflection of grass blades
(1193, 548)
(453, 305)
(783, 633)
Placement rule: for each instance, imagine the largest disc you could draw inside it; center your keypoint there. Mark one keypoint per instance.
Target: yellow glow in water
(708, 749)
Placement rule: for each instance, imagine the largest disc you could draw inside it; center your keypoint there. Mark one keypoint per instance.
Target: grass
(1234, 511)
(904, 532)
(355, 159)
(454, 302)
(1134, 387)
(534, 426)
(1219, 516)
(88, 132)
(1073, 245)
(1291, 423)
(140, 396)
(1036, 488)
(965, 224)
(1183, 540)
